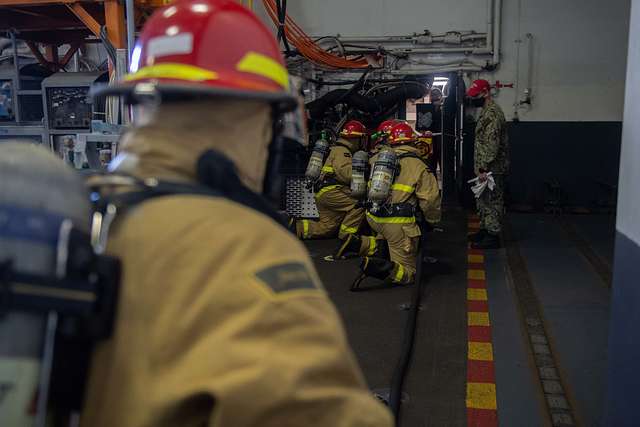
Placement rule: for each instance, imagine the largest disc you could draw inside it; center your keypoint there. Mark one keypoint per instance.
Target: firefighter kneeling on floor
(339, 212)
(401, 183)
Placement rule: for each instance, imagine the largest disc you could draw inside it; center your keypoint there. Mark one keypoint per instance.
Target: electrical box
(67, 102)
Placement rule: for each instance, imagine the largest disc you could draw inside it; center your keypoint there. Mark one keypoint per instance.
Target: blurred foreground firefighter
(222, 319)
(340, 213)
(491, 155)
(401, 188)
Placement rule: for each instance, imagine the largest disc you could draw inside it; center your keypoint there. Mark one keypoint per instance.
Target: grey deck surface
(574, 303)
(574, 300)
(520, 402)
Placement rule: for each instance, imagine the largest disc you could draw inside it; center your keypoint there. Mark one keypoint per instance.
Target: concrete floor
(574, 303)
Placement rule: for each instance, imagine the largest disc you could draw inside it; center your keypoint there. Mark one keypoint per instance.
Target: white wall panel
(580, 45)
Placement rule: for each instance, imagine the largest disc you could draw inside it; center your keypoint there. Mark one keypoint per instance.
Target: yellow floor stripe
(476, 318)
(481, 396)
(476, 274)
(476, 294)
(475, 259)
(480, 351)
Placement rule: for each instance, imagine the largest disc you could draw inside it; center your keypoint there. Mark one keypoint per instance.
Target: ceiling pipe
(490, 26)
(431, 70)
(467, 50)
(131, 28)
(497, 22)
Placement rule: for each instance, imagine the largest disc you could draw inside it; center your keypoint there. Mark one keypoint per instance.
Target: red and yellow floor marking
(481, 379)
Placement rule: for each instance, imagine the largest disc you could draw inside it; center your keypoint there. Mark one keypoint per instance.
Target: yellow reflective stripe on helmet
(325, 189)
(399, 273)
(328, 169)
(172, 71)
(372, 245)
(305, 228)
(349, 230)
(403, 188)
(392, 219)
(262, 65)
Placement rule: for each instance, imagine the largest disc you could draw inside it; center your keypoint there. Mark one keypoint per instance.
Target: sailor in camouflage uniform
(491, 155)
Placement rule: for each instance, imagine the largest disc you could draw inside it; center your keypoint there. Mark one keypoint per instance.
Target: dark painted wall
(577, 154)
(624, 341)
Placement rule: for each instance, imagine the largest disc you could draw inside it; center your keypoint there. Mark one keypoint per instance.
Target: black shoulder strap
(217, 177)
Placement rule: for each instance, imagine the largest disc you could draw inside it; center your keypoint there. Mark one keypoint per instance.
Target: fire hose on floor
(402, 366)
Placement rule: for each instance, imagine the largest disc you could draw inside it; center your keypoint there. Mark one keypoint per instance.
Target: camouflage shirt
(492, 143)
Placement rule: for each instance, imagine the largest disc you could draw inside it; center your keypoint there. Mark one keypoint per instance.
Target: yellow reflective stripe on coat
(327, 188)
(372, 245)
(262, 65)
(392, 219)
(399, 273)
(403, 188)
(349, 230)
(173, 71)
(328, 169)
(305, 228)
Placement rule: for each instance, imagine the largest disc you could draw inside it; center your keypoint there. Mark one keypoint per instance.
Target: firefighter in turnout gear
(413, 187)
(491, 155)
(221, 320)
(356, 245)
(340, 214)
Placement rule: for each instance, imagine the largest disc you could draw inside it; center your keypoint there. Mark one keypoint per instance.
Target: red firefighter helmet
(402, 133)
(206, 47)
(353, 129)
(385, 127)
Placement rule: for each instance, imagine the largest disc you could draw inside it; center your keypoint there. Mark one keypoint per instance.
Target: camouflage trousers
(491, 206)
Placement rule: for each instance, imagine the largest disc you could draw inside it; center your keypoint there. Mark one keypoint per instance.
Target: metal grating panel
(300, 199)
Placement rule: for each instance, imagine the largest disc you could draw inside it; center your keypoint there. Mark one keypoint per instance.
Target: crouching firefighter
(340, 213)
(57, 294)
(402, 188)
(222, 320)
(358, 245)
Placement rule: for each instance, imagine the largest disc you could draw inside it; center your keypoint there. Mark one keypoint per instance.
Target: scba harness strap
(217, 177)
(414, 156)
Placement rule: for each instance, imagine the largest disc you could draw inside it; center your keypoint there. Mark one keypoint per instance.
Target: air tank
(359, 164)
(320, 150)
(38, 193)
(384, 170)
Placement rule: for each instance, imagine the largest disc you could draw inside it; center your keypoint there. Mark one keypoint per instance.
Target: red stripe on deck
(480, 371)
(480, 333)
(477, 306)
(482, 417)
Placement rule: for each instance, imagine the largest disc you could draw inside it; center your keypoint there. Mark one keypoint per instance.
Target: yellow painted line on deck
(476, 294)
(476, 274)
(480, 351)
(475, 259)
(477, 318)
(481, 396)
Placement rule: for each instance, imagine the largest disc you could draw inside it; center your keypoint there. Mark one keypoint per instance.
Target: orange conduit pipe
(307, 46)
